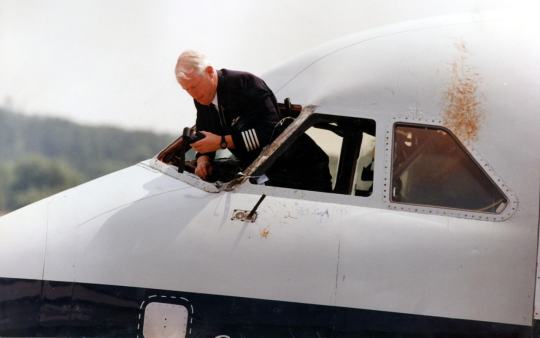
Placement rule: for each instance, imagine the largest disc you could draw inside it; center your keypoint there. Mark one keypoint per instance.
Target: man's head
(196, 76)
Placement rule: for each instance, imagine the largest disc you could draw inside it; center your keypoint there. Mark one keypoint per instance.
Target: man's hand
(204, 167)
(211, 142)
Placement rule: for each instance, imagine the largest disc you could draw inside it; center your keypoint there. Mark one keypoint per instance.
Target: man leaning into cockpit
(237, 111)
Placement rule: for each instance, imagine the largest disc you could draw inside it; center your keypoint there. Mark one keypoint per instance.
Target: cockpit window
(349, 145)
(431, 167)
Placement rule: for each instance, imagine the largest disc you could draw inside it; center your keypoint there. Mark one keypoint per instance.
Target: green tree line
(40, 156)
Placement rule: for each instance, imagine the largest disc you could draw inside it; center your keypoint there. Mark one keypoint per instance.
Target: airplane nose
(22, 241)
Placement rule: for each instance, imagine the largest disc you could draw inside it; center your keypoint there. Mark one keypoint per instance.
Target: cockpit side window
(349, 144)
(431, 167)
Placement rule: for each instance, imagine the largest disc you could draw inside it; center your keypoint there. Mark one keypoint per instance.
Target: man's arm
(211, 142)
(204, 167)
(203, 123)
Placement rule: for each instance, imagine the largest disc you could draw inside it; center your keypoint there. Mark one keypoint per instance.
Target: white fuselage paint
(146, 226)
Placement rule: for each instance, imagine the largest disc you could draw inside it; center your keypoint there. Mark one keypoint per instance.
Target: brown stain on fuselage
(264, 233)
(462, 111)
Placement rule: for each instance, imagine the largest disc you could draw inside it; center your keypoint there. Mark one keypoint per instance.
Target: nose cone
(34, 237)
(22, 241)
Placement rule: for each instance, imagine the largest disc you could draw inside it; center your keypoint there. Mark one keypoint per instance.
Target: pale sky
(111, 62)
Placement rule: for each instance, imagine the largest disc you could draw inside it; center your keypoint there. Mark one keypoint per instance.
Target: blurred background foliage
(41, 156)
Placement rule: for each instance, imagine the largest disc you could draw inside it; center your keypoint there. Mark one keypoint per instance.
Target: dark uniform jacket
(248, 111)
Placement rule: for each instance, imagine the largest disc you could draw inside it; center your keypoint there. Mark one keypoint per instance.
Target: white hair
(190, 62)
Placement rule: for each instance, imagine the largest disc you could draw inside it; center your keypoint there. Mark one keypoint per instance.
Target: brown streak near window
(462, 112)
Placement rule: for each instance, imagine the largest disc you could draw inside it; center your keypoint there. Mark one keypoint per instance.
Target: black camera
(191, 135)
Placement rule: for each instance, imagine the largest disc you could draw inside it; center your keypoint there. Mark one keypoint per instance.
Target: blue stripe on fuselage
(60, 309)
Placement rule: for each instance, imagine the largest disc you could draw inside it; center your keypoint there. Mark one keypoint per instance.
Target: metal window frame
(473, 154)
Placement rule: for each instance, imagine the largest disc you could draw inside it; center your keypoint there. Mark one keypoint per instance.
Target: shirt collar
(215, 99)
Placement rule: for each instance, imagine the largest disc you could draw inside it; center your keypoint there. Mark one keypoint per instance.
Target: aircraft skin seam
(129, 203)
(47, 211)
